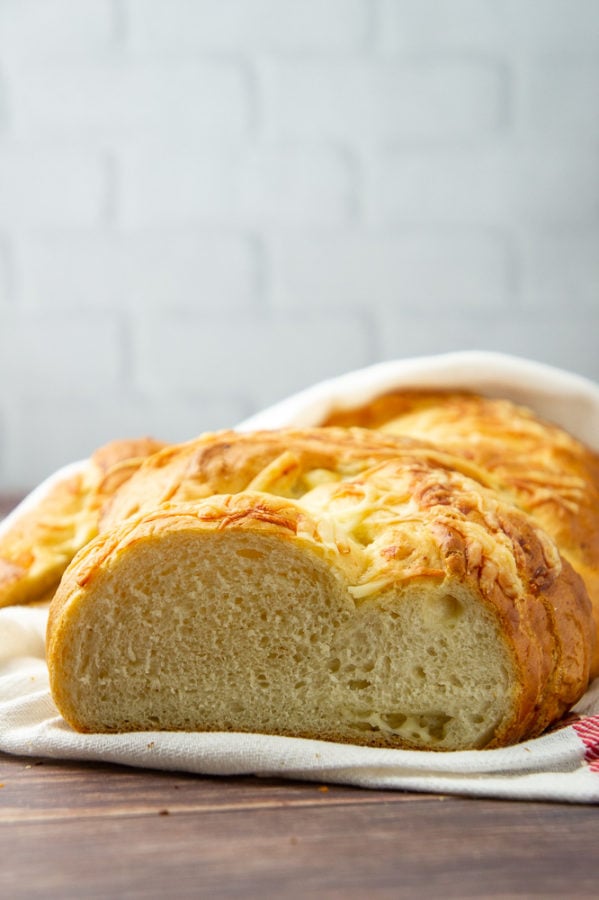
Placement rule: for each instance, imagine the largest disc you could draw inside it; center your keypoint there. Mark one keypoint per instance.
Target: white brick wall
(240, 186)
(374, 101)
(107, 99)
(50, 187)
(30, 29)
(279, 26)
(419, 269)
(50, 353)
(205, 206)
(510, 183)
(564, 265)
(138, 270)
(224, 356)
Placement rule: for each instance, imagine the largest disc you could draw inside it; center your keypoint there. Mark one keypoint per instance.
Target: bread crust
(285, 462)
(36, 548)
(384, 514)
(535, 464)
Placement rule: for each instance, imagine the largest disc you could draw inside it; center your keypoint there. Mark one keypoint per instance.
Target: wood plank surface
(88, 830)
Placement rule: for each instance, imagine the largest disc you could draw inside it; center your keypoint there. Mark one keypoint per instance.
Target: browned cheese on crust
(286, 463)
(537, 465)
(37, 547)
(325, 583)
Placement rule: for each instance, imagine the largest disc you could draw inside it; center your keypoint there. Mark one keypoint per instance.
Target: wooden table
(101, 831)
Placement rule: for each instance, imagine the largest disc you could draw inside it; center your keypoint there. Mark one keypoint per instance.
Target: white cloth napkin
(561, 766)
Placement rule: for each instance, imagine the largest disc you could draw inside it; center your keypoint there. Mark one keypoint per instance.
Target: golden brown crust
(537, 465)
(36, 548)
(34, 551)
(385, 512)
(286, 463)
(114, 463)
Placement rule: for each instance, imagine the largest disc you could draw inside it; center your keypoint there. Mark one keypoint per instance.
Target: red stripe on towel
(587, 730)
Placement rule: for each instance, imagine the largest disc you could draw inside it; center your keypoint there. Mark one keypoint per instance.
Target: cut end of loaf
(252, 632)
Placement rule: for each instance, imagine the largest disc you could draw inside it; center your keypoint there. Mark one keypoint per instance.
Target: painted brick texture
(205, 206)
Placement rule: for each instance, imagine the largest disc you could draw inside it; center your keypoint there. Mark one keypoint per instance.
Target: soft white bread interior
(396, 602)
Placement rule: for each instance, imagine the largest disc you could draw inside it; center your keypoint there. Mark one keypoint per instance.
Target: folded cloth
(562, 765)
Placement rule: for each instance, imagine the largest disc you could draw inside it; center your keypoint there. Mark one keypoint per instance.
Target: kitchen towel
(562, 765)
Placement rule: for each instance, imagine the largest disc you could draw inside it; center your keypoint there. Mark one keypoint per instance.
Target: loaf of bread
(327, 583)
(38, 544)
(534, 464)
